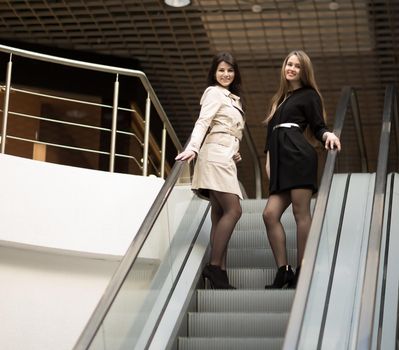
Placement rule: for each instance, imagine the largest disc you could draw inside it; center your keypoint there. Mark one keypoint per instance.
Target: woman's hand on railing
(331, 141)
(186, 155)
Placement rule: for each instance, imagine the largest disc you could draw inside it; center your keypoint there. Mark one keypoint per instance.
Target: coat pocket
(219, 148)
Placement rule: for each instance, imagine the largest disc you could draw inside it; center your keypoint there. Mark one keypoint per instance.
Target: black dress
(293, 160)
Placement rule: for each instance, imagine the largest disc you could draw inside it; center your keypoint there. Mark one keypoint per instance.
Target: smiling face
(292, 72)
(224, 74)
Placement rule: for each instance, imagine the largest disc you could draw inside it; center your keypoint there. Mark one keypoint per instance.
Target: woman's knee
(301, 213)
(236, 212)
(270, 217)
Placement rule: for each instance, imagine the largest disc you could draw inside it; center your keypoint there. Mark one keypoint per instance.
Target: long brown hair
(306, 76)
(227, 57)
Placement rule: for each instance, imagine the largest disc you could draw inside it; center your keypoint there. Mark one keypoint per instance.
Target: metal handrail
(359, 132)
(54, 97)
(368, 299)
(255, 161)
(128, 260)
(292, 336)
(151, 97)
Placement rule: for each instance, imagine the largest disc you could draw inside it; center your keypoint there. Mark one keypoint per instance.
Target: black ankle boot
(216, 277)
(227, 279)
(283, 278)
(294, 281)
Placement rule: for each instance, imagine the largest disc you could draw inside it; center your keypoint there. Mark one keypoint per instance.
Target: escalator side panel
(318, 289)
(346, 289)
(389, 300)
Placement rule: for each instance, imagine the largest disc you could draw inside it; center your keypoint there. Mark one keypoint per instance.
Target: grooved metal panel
(233, 324)
(254, 221)
(230, 343)
(256, 257)
(251, 278)
(256, 239)
(249, 317)
(245, 300)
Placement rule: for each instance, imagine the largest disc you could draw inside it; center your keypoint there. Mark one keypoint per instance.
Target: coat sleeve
(314, 115)
(211, 102)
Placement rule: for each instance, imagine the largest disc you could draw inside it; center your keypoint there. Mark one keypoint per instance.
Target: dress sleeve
(314, 115)
(211, 102)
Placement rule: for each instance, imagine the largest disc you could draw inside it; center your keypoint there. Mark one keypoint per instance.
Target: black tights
(225, 213)
(275, 207)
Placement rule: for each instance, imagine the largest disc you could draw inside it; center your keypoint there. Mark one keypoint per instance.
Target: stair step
(249, 317)
(232, 324)
(253, 205)
(244, 300)
(251, 278)
(257, 205)
(230, 343)
(257, 239)
(256, 257)
(254, 221)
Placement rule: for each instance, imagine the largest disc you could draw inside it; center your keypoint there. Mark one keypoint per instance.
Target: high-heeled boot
(227, 278)
(216, 277)
(294, 281)
(283, 279)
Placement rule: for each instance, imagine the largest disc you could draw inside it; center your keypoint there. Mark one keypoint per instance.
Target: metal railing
(348, 98)
(114, 133)
(128, 260)
(151, 100)
(369, 290)
(255, 161)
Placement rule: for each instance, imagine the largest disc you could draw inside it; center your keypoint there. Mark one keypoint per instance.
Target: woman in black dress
(291, 163)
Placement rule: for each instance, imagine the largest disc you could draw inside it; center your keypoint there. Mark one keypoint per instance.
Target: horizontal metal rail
(56, 121)
(67, 99)
(152, 101)
(106, 69)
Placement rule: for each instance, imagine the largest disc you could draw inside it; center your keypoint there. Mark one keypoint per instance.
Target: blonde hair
(306, 76)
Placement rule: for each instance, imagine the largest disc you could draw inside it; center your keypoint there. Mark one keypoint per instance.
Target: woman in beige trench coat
(219, 130)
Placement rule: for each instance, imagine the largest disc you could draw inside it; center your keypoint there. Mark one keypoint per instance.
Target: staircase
(249, 317)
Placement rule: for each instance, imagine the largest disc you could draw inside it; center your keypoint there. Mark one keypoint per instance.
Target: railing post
(114, 125)
(146, 134)
(163, 152)
(6, 102)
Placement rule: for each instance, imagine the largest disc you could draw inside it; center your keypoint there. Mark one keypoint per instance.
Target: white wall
(62, 232)
(46, 299)
(81, 210)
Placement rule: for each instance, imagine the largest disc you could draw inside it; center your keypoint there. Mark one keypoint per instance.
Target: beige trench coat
(221, 114)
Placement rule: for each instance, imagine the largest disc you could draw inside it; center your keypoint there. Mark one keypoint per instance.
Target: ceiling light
(257, 8)
(333, 6)
(177, 3)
